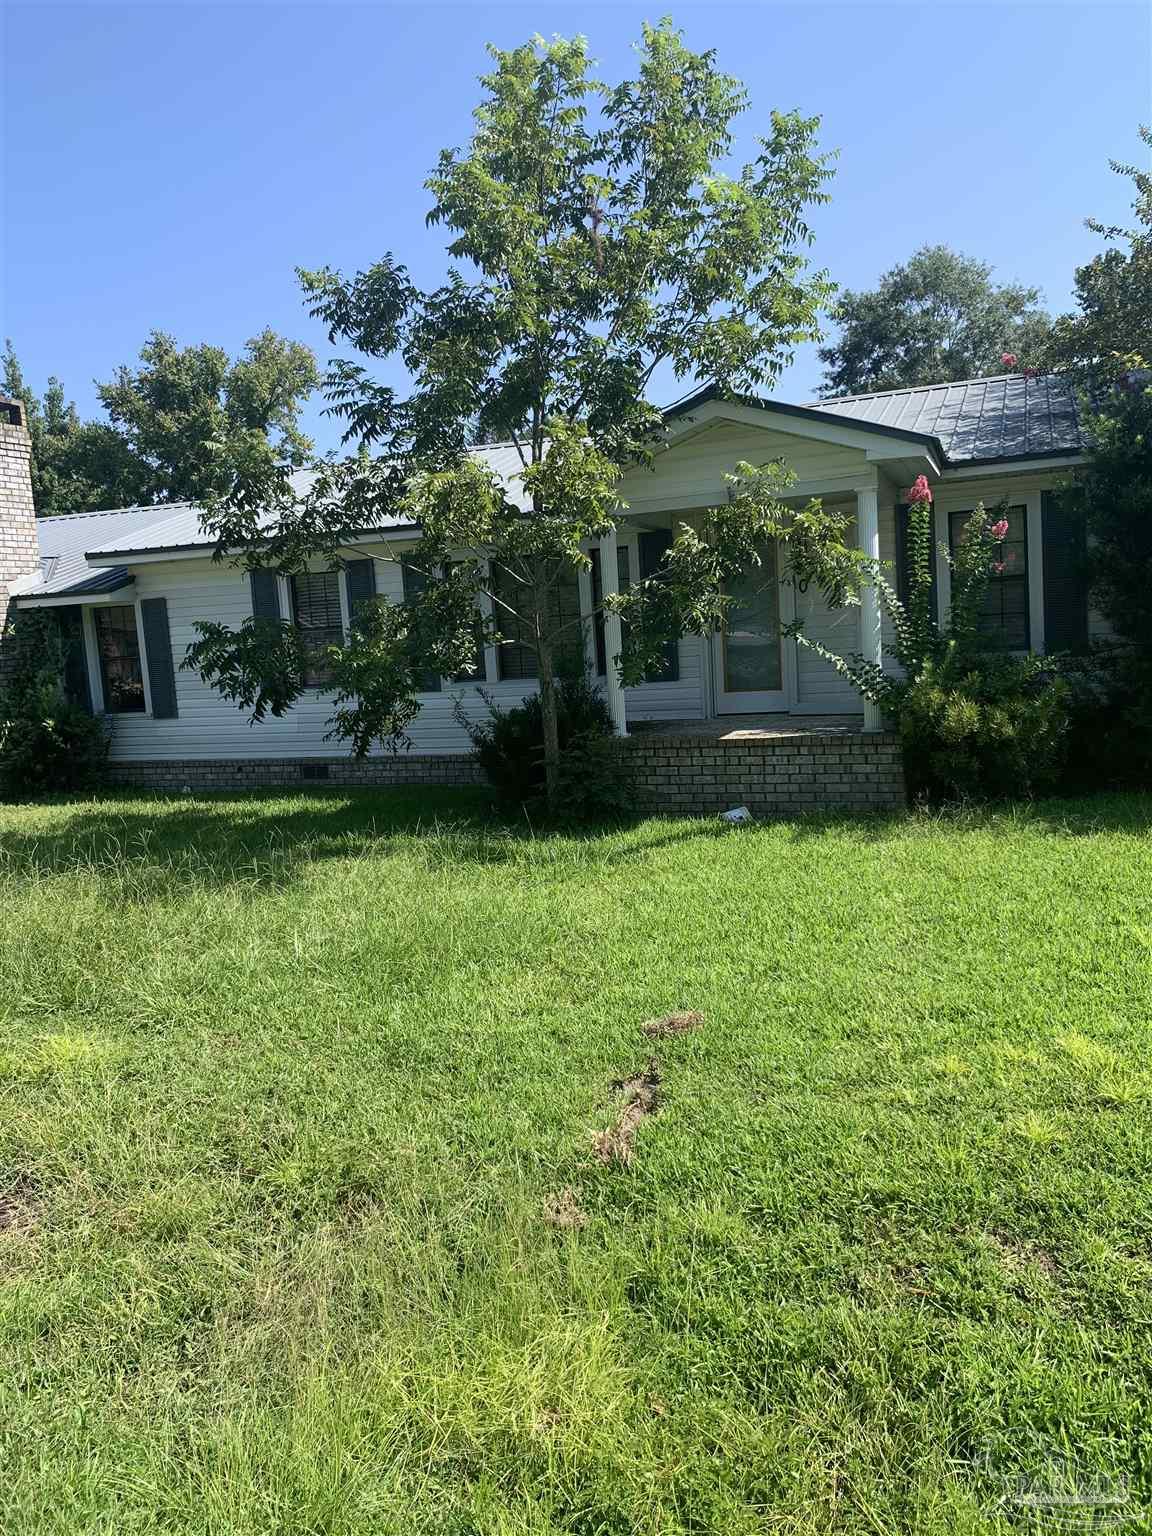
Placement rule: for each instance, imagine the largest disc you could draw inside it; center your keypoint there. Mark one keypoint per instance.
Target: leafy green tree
(937, 318)
(1109, 335)
(169, 421)
(76, 465)
(184, 410)
(595, 237)
(1105, 346)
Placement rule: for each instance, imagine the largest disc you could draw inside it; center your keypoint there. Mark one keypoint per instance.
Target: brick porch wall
(772, 776)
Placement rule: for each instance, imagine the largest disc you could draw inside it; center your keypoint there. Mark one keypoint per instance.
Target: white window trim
(945, 510)
(95, 672)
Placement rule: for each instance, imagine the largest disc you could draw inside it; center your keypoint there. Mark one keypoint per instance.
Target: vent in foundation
(313, 772)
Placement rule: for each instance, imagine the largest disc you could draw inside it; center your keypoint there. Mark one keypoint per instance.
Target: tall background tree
(1108, 336)
(596, 237)
(1105, 346)
(169, 420)
(937, 318)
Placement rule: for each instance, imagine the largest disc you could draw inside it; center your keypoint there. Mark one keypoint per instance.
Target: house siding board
(692, 473)
(208, 727)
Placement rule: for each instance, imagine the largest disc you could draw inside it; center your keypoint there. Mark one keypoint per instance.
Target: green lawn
(293, 1088)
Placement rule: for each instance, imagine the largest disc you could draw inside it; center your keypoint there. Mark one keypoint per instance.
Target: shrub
(47, 742)
(595, 781)
(999, 730)
(972, 723)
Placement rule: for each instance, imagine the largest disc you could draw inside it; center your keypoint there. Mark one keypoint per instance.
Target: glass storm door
(748, 652)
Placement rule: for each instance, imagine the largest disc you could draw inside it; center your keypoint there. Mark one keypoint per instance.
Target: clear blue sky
(169, 165)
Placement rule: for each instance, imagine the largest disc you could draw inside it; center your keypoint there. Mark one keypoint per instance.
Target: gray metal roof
(66, 540)
(993, 420)
(977, 420)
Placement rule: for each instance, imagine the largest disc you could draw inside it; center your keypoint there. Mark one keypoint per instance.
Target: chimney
(19, 546)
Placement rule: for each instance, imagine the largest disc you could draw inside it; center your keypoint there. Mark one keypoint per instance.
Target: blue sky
(170, 165)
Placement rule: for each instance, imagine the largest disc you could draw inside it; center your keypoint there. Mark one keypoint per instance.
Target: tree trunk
(551, 728)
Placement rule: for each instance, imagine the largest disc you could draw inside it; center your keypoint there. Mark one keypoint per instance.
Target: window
(319, 621)
(477, 674)
(517, 657)
(1004, 616)
(118, 647)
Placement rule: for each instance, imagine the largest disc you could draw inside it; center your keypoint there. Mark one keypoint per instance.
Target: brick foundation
(772, 776)
(295, 772)
(686, 775)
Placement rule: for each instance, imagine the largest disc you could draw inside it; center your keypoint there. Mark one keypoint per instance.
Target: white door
(748, 654)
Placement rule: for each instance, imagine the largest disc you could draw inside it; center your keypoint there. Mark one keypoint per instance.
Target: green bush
(999, 729)
(47, 742)
(595, 781)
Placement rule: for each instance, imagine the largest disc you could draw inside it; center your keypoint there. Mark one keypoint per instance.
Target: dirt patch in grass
(20, 1204)
(1019, 1256)
(641, 1096)
(563, 1210)
(670, 1024)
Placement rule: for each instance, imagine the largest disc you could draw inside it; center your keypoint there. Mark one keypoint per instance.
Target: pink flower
(1030, 373)
(920, 490)
(999, 531)
(1008, 359)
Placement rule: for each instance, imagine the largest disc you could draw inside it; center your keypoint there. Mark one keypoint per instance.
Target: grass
(290, 1085)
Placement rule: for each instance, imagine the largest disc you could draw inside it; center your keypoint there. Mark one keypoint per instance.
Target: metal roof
(992, 420)
(64, 544)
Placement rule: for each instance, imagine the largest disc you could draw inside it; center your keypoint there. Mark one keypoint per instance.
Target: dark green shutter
(653, 549)
(414, 583)
(70, 627)
(265, 594)
(1063, 551)
(360, 581)
(901, 560)
(158, 650)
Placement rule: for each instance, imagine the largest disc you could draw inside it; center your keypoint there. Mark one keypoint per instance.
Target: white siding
(689, 475)
(692, 473)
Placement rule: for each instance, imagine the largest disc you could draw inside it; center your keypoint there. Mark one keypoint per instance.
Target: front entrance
(748, 656)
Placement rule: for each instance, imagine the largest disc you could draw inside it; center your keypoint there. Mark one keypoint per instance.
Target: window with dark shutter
(1065, 576)
(1003, 619)
(415, 580)
(319, 621)
(653, 547)
(118, 649)
(516, 657)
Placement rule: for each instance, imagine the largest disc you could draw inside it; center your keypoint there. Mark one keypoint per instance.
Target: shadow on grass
(150, 849)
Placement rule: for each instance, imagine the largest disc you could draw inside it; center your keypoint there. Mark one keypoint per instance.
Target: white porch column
(868, 538)
(609, 585)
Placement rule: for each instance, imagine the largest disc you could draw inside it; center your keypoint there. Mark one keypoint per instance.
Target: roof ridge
(72, 517)
(916, 389)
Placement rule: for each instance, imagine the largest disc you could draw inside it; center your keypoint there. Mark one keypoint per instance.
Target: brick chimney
(19, 547)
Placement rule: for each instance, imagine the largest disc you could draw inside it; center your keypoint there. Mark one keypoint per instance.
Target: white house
(130, 585)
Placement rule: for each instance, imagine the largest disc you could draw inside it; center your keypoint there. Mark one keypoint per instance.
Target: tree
(937, 318)
(185, 411)
(76, 465)
(1105, 346)
(1110, 334)
(170, 420)
(595, 239)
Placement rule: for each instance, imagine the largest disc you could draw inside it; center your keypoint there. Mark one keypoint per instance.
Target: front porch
(752, 727)
(776, 765)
